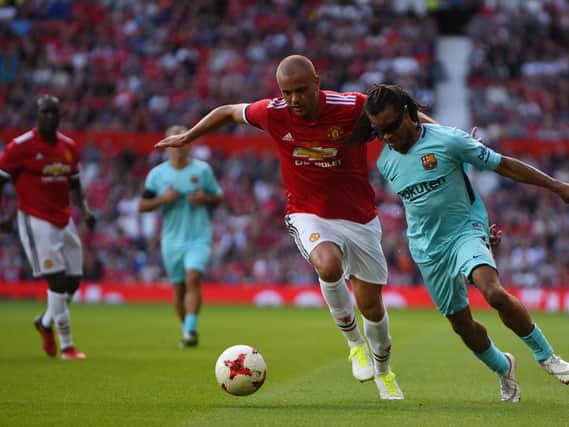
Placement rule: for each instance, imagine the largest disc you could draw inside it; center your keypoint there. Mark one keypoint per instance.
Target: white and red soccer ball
(240, 370)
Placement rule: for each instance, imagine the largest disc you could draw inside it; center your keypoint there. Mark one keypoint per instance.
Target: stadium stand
(139, 66)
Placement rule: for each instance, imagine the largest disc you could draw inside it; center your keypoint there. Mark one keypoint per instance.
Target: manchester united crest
(429, 161)
(335, 133)
(314, 237)
(68, 156)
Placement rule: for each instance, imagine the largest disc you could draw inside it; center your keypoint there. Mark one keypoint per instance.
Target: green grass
(136, 375)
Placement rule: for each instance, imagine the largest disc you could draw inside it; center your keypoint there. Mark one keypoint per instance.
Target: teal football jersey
(440, 202)
(181, 221)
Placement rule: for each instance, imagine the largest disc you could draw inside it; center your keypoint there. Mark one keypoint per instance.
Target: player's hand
(198, 197)
(171, 141)
(495, 235)
(90, 220)
(6, 226)
(169, 196)
(563, 191)
(473, 134)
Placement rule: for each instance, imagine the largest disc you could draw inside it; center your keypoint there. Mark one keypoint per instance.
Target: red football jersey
(321, 175)
(40, 172)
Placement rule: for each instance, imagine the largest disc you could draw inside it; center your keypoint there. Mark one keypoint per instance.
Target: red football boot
(71, 353)
(47, 337)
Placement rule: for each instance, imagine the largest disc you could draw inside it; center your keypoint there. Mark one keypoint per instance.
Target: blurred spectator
(519, 75)
(143, 65)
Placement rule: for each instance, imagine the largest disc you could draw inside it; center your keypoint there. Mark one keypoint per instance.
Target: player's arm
(215, 119)
(200, 197)
(79, 199)
(151, 201)
(527, 174)
(8, 215)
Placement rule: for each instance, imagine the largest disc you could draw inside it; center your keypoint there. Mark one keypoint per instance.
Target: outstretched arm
(522, 172)
(215, 119)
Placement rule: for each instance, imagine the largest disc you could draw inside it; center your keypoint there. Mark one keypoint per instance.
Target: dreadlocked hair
(380, 96)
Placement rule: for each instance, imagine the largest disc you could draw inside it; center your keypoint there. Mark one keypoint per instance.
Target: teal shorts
(179, 260)
(446, 278)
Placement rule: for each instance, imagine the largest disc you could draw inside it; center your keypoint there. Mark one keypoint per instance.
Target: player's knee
(496, 296)
(193, 279)
(328, 264)
(329, 272)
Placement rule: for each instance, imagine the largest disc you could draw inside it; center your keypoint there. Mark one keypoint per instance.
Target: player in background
(448, 226)
(331, 210)
(43, 166)
(184, 189)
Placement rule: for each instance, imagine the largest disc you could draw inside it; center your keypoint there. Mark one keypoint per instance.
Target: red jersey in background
(40, 172)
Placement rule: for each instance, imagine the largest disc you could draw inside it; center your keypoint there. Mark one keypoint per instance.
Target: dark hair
(380, 96)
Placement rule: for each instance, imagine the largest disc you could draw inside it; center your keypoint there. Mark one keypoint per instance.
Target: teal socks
(538, 344)
(494, 359)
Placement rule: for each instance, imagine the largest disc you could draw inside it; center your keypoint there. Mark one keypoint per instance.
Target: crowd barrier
(537, 299)
(114, 142)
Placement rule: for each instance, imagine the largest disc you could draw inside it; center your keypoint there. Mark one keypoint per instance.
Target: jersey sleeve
(75, 162)
(12, 158)
(151, 182)
(257, 114)
(211, 186)
(469, 150)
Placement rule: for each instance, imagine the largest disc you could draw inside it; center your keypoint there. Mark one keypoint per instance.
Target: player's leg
(179, 298)
(320, 244)
(195, 262)
(376, 329)
(173, 259)
(192, 306)
(475, 337)
(327, 261)
(39, 240)
(72, 254)
(516, 317)
(447, 288)
(368, 273)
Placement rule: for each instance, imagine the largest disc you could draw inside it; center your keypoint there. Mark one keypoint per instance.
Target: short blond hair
(175, 130)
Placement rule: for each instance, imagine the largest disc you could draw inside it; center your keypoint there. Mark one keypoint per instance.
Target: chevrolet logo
(315, 153)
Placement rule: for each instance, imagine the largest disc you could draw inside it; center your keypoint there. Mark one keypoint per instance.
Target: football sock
(61, 319)
(340, 305)
(377, 334)
(47, 317)
(538, 344)
(190, 324)
(494, 359)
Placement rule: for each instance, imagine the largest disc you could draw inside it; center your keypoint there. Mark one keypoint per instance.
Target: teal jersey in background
(182, 222)
(440, 202)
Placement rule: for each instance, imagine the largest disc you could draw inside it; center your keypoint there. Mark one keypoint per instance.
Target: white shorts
(360, 243)
(50, 249)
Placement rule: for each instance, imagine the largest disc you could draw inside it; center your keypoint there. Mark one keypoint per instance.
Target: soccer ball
(240, 370)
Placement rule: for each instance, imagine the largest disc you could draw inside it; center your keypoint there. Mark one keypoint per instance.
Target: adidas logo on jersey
(39, 156)
(288, 137)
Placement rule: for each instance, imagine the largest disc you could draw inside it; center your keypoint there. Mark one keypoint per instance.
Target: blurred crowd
(251, 244)
(519, 76)
(143, 65)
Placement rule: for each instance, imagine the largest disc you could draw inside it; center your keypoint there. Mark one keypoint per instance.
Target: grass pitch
(136, 375)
